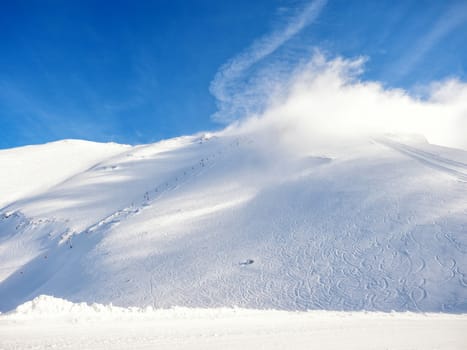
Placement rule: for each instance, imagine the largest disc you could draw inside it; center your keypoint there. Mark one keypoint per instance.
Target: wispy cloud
(225, 85)
(452, 18)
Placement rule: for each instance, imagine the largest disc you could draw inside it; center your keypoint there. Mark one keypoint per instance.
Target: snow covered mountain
(236, 219)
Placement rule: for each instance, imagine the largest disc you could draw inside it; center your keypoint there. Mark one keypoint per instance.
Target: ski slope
(235, 219)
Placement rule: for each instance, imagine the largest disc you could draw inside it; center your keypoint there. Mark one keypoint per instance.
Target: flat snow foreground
(51, 323)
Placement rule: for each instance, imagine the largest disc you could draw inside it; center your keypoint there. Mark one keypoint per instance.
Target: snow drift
(48, 322)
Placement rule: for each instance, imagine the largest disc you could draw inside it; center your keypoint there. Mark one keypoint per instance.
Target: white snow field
(33, 169)
(51, 323)
(235, 219)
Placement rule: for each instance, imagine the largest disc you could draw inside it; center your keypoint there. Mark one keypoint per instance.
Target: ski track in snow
(451, 167)
(321, 250)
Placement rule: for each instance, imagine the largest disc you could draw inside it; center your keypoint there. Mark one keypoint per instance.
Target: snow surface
(47, 322)
(33, 169)
(367, 224)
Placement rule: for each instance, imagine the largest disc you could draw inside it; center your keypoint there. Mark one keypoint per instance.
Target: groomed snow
(52, 323)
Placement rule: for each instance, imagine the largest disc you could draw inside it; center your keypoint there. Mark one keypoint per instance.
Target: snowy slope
(235, 219)
(32, 169)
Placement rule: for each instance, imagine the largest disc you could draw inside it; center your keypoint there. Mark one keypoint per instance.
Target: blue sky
(140, 71)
